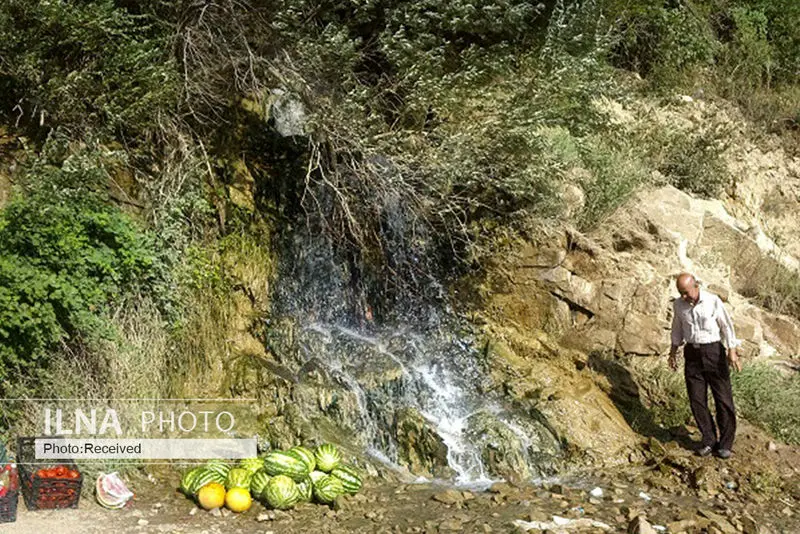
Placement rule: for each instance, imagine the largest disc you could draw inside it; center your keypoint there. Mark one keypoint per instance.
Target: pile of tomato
(9, 479)
(58, 487)
(59, 471)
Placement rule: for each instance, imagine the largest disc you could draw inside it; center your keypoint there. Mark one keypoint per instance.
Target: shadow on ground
(627, 396)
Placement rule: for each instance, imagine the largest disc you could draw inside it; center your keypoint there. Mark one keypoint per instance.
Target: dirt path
(756, 492)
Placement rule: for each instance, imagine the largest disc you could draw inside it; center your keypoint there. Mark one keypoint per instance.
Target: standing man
(700, 320)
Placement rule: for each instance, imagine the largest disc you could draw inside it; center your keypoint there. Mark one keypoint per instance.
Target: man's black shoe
(724, 454)
(705, 451)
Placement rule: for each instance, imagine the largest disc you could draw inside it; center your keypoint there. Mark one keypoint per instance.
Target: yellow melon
(238, 500)
(211, 496)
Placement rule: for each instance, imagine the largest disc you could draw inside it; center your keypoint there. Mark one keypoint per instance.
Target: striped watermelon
(327, 488)
(281, 492)
(306, 489)
(350, 478)
(282, 463)
(252, 464)
(238, 478)
(304, 454)
(206, 476)
(187, 481)
(258, 482)
(316, 475)
(327, 457)
(219, 466)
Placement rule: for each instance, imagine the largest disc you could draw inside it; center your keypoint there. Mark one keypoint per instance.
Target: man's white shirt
(705, 322)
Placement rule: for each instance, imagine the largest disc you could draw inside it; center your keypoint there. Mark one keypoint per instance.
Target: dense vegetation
(431, 132)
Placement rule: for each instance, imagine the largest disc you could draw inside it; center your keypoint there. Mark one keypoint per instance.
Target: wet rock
(505, 451)
(449, 497)
(420, 447)
(467, 495)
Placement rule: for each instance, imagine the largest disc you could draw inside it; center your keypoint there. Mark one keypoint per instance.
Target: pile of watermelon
(282, 479)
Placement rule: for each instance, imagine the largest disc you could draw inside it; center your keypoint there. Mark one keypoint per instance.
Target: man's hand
(672, 361)
(733, 360)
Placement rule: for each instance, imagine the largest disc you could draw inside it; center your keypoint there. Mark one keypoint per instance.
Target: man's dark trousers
(707, 366)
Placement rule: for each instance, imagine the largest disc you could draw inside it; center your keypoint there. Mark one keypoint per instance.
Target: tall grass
(770, 399)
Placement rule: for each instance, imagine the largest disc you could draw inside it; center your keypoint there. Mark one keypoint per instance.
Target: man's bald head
(688, 287)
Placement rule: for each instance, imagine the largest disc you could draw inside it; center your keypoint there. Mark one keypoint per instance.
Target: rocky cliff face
(552, 306)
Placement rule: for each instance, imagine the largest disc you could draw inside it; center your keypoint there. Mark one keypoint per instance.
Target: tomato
(59, 471)
(42, 473)
(71, 473)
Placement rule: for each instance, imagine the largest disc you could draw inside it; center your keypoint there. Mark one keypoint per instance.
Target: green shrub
(65, 255)
(770, 399)
(660, 42)
(85, 65)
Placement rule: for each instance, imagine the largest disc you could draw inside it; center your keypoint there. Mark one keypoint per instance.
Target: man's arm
(728, 334)
(676, 337)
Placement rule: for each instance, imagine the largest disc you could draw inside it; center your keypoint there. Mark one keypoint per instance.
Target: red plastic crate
(45, 493)
(9, 498)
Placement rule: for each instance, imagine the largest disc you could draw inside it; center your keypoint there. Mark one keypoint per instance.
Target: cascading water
(422, 359)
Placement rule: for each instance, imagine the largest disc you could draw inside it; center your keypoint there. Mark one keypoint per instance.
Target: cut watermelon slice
(111, 491)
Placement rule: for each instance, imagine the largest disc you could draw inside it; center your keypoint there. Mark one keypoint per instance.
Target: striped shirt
(707, 321)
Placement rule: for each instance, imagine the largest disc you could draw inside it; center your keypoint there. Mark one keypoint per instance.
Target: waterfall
(421, 357)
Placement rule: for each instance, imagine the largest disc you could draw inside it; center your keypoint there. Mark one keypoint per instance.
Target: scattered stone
(771, 446)
(594, 500)
(560, 524)
(501, 488)
(640, 525)
(467, 495)
(143, 522)
(449, 497)
(215, 512)
(596, 492)
(681, 526)
(537, 515)
(451, 525)
(265, 516)
(226, 512)
(749, 525)
(486, 528)
(644, 496)
(193, 510)
(718, 521)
